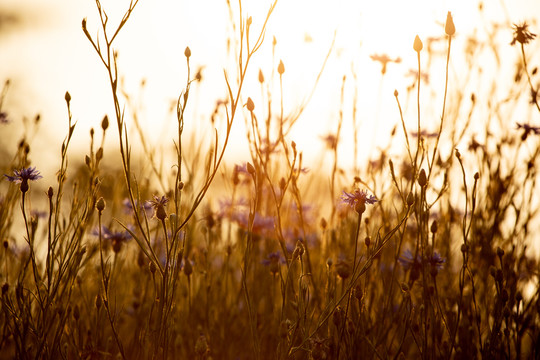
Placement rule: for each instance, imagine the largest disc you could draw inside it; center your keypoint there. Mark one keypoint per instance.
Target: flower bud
(105, 123)
(281, 68)
(449, 28)
(417, 46)
(100, 204)
(422, 178)
(187, 52)
(250, 105)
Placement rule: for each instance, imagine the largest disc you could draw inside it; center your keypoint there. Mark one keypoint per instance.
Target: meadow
(426, 249)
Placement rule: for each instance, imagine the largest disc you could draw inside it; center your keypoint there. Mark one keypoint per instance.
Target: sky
(44, 53)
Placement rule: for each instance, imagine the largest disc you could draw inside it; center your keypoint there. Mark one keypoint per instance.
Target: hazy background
(44, 53)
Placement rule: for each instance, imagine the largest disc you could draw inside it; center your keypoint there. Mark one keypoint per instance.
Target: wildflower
(128, 207)
(358, 196)
(22, 176)
(521, 34)
(116, 238)
(527, 129)
(273, 260)
(410, 262)
(384, 60)
(159, 206)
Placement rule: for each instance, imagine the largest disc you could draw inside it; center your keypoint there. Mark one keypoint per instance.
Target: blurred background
(44, 53)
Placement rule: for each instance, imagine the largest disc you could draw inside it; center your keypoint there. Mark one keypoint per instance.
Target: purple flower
(128, 207)
(408, 261)
(273, 260)
(117, 238)
(22, 176)
(358, 196)
(158, 204)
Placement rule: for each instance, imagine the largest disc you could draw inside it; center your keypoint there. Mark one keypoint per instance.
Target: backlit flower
(356, 197)
(159, 206)
(22, 176)
(521, 34)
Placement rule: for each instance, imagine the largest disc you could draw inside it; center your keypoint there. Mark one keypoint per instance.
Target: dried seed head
(187, 52)
(50, 192)
(500, 252)
(261, 76)
(449, 28)
(396, 93)
(417, 46)
(67, 97)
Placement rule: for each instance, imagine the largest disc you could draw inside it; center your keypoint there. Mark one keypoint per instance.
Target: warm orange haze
(269, 179)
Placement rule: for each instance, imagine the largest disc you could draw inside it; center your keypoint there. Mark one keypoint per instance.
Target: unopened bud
(100, 204)
(281, 68)
(250, 105)
(105, 123)
(449, 28)
(187, 52)
(422, 178)
(417, 46)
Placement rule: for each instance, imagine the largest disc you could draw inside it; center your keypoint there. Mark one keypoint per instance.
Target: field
(427, 248)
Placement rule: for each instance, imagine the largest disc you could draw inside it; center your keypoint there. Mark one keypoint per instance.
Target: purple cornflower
(521, 34)
(128, 207)
(408, 261)
(117, 238)
(22, 176)
(358, 197)
(273, 260)
(159, 206)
